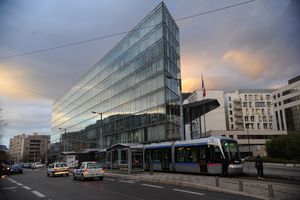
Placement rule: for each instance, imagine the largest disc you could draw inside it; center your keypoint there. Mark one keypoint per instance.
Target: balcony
(237, 107)
(239, 121)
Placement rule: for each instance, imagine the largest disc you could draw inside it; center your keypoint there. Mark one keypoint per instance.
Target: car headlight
(8, 168)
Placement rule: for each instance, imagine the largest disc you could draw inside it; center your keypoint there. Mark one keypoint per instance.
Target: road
(34, 184)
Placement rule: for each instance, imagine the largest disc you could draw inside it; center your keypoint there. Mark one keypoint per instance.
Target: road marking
(155, 186)
(110, 179)
(38, 194)
(8, 188)
(190, 192)
(123, 181)
(26, 187)
(19, 183)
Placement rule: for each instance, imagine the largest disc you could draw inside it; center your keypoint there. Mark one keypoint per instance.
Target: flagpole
(203, 94)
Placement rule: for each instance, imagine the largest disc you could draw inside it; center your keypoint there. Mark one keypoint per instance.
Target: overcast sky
(255, 45)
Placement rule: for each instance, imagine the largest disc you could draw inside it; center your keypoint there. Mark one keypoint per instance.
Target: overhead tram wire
(120, 33)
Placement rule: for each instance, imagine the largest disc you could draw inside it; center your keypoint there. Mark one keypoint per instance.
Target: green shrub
(284, 147)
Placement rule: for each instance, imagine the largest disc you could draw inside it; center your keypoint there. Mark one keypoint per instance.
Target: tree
(284, 147)
(3, 123)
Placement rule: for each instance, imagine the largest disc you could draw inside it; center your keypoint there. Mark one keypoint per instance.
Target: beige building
(29, 148)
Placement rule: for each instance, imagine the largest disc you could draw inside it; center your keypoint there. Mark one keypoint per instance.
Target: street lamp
(182, 131)
(61, 137)
(248, 140)
(101, 137)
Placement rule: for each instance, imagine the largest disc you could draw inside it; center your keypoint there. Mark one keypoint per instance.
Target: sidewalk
(251, 188)
(272, 170)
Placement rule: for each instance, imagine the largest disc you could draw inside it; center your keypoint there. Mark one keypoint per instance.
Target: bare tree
(3, 123)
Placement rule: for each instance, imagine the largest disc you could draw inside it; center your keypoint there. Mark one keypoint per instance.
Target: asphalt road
(34, 184)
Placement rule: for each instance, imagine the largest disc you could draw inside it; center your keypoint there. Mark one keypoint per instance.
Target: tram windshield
(231, 150)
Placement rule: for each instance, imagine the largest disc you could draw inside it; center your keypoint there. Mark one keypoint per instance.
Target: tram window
(156, 155)
(187, 154)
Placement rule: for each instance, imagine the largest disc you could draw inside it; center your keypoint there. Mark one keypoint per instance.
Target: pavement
(260, 189)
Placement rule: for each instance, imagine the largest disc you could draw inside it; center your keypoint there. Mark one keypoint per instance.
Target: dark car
(4, 169)
(16, 168)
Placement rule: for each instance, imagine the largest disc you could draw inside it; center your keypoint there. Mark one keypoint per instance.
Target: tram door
(203, 159)
(165, 159)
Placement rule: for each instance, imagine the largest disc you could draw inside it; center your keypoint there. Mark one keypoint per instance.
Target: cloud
(249, 65)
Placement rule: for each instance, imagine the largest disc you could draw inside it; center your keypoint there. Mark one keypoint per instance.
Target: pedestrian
(260, 167)
(225, 165)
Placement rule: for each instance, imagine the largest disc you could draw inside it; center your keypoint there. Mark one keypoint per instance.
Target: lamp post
(61, 137)
(248, 141)
(101, 137)
(182, 132)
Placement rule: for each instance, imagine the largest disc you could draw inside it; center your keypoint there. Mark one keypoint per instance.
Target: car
(55, 169)
(88, 170)
(16, 168)
(4, 169)
(37, 165)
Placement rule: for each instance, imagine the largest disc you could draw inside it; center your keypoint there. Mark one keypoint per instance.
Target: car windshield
(93, 165)
(61, 165)
(231, 150)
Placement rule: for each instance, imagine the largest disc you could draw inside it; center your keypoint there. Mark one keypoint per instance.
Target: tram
(194, 156)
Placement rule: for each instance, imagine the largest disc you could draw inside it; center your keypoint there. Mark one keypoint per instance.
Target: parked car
(37, 165)
(16, 168)
(26, 165)
(55, 169)
(4, 169)
(88, 170)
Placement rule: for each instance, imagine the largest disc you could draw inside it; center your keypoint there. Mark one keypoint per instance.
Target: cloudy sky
(255, 45)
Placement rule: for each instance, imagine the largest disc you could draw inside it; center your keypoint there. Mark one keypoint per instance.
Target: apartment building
(29, 148)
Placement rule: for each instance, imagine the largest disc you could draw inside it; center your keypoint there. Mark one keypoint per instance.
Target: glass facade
(128, 86)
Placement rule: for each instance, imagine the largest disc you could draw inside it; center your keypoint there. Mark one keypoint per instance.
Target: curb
(185, 184)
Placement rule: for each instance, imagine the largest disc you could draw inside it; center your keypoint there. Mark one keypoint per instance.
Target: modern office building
(286, 102)
(133, 91)
(29, 148)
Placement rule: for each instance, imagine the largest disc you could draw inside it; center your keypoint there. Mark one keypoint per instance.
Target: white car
(58, 169)
(88, 170)
(37, 165)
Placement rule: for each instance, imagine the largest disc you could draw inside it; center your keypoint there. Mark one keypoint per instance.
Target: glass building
(130, 90)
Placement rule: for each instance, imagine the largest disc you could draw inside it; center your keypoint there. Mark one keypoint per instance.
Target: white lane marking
(110, 179)
(8, 188)
(123, 181)
(26, 187)
(19, 183)
(190, 192)
(155, 186)
(38, 194)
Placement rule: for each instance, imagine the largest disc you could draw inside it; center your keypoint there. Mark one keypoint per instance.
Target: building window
(281, 119)
(274, 96)
(252, 118)
(256, 97)
(269, 104)
(230, 106)
(230, 112)
(232, 127)
(271, 126)
(250, 97)
(245, 97)
(250, 104)
(252, 111)
(275, 105)
(262, 111)
(265, 126)
(231, 119)
(257, 111)
(258, 125)
(278, 95)
(245, 104)
(268, 97)
(229, 98)
(247, 111)
(279, 103)
(246, 118)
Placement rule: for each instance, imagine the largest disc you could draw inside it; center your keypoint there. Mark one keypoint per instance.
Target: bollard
(151, 168)
(217, 181)
(270, 188)
(241, 186)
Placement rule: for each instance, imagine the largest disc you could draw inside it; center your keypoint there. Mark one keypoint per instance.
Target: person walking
(260, 167)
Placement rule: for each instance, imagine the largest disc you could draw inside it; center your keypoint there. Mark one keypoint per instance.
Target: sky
(254, 45)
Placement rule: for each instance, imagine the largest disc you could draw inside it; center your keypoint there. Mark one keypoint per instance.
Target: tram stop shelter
(197, 109)
(125, 158)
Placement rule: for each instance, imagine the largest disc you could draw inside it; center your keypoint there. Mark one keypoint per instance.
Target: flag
(203, 87)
